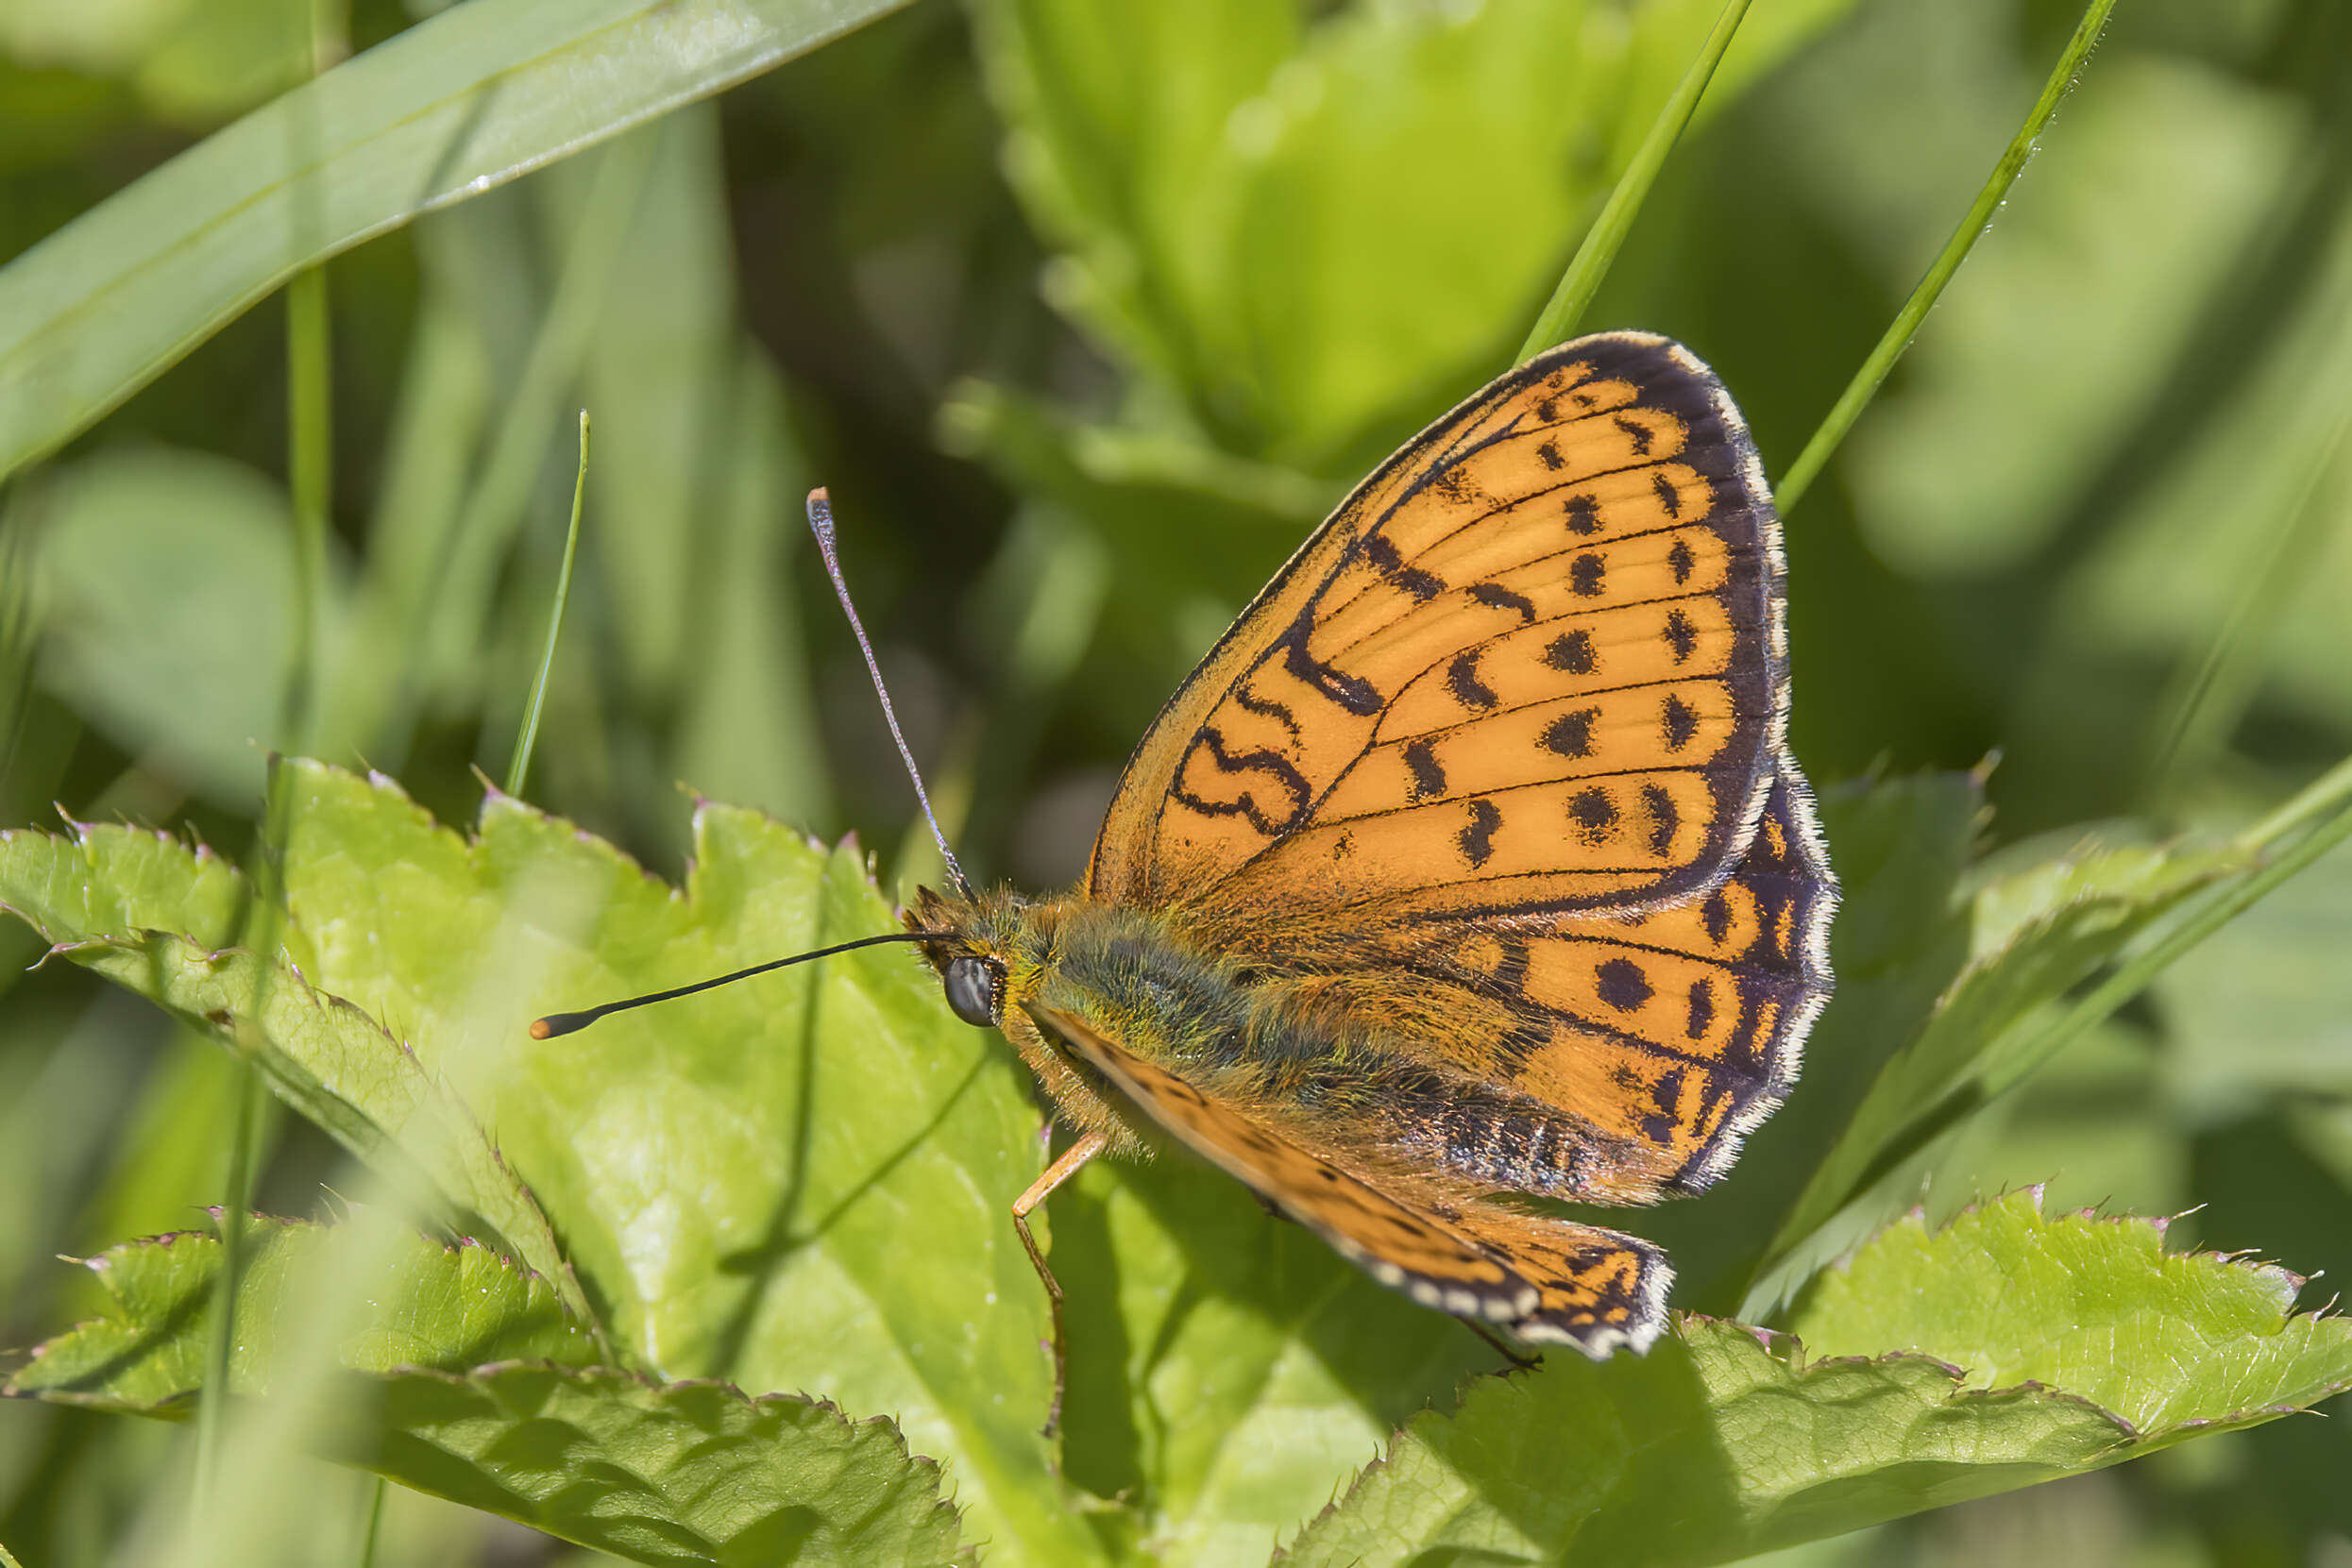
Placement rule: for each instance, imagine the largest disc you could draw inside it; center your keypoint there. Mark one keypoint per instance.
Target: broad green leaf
(2048, 928)
(1722, 1441)
(112, 879)
(737, 1200)
(168, 575)
(442, 111)
(682, 1474)
(397, 1301)
(2023, 1349)
(1298, 229)
(2172, 1344)
(456, 1375)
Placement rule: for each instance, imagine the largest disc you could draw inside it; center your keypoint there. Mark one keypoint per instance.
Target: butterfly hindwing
(1531, 667)
(1656, 1040)
(1546, 1280)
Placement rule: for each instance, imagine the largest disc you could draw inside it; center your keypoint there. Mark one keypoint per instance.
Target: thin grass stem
(1558, 319)
(2328, 799)
(1866, 380)
(371, 1521)
(520, 767)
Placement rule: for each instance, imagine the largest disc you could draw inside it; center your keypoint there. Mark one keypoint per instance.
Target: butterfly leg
(1072, 1159)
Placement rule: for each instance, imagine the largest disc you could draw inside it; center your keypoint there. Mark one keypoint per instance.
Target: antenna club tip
(820, 497)
(559, 1023)
(541, 1029)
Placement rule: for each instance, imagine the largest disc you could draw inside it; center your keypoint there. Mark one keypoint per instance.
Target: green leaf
(345, 1071)
(682, 1474)
(2026, 1348)
(457, 1375)
(167, 578)
(1300, 230)
(799, 1183)
(450, 108)
(2171, 1344)
(418, 1304)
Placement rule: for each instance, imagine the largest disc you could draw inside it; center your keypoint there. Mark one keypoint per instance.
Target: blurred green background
(1086, 313)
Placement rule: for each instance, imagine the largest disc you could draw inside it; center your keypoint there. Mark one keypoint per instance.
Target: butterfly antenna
(820, 524)
(564, 1023)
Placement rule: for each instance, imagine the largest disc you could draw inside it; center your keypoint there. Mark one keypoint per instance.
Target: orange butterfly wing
(1532, 665)
(1546, 1280)
(1656, 1042)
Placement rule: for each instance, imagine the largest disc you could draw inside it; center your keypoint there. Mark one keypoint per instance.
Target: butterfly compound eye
(972, 991)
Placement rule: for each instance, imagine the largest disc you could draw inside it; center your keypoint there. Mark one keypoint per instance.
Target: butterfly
(1470, 866)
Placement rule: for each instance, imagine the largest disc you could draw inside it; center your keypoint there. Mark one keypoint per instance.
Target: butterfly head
(984, 949)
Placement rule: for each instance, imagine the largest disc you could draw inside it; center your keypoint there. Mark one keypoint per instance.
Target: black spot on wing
(1587, 574)
(1701, 1009)
(1668, 495)
(1716, 912)
(1382, 552)
(1622, 984)
(1495, 597)
(1429, 779)
(1583, 514)
(1571, 651)
(1462, 680)
(1682, 562)
(1478, 840)
(1592, 812)
(1681, 636)
(1659, 802)
(1678, 723)
(1571, 734)
(1636, 433)
(1548, 454)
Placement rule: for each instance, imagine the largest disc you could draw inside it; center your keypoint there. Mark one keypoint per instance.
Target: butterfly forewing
(1531, 667)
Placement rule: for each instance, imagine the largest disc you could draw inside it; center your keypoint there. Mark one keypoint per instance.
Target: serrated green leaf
(99, 899)
(112, 879)
(2027, 1348)
(457, 1374)
(418, 1304)
(683, 1473)
(2096, 1306)
(444, 110)
(734, 1202)
(1720, 1442)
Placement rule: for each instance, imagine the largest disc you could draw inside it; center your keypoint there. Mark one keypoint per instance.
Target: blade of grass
(1557, 321)
(440, 112)
(371, 1519)
(310, 468)
(1866, 382)
(520, 767)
